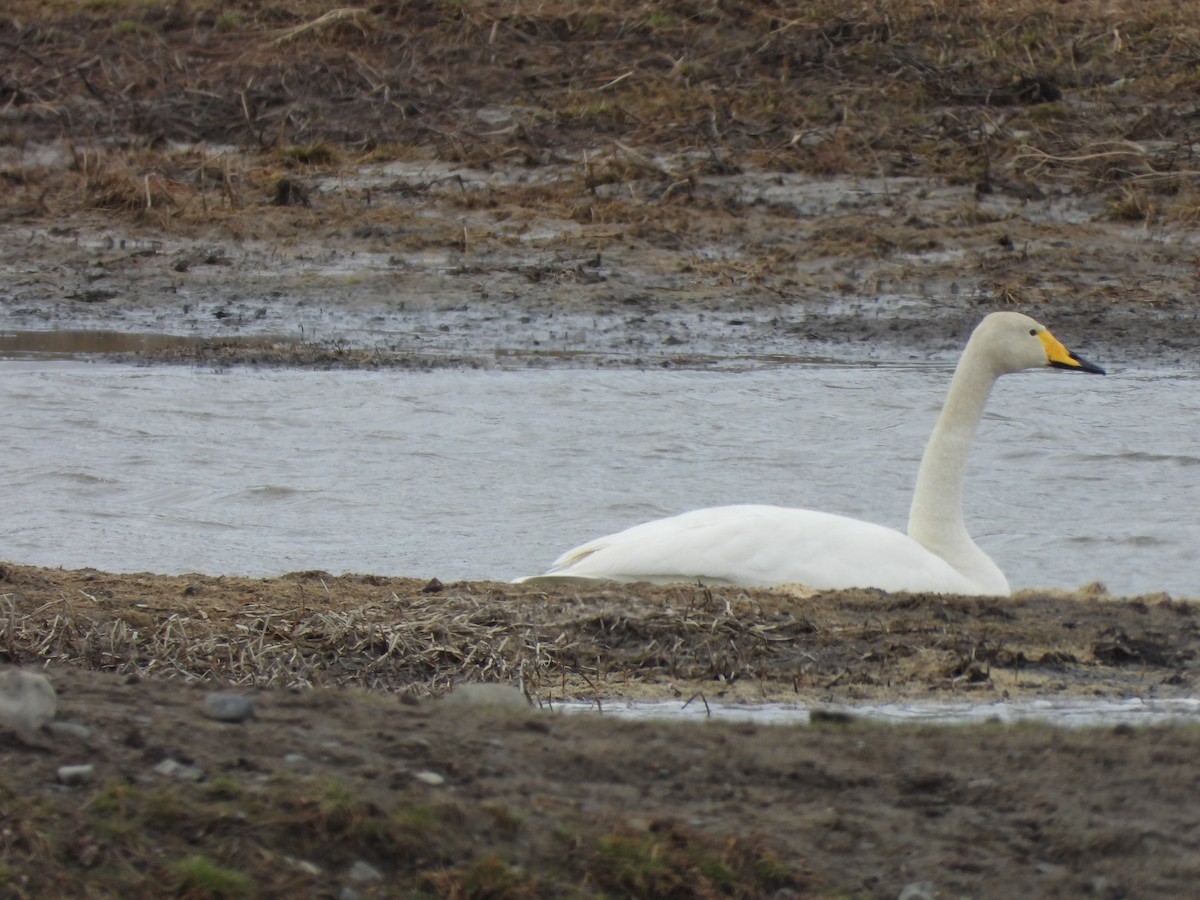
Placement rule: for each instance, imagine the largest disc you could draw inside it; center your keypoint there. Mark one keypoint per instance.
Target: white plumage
(766, 546)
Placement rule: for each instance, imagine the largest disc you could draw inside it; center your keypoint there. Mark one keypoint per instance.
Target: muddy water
(469, 474)
(1078, 712)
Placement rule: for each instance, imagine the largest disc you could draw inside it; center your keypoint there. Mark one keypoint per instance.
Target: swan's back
(762, 546)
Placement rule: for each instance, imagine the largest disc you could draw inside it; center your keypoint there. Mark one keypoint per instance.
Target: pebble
(918, 890)
(76, 774)
(69, 730)
(27, 700)
(433, 779)
(490, 694)
(364, 871)
(226, 707)
(175, 769)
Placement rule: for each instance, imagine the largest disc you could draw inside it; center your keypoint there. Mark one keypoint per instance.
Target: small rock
(75, 774)
(364, 871)
(227, 707)
(27, 700)
(69, 730)
(492, 694)
(1055, 869)
(294, 759)
(175, 769)
(433, 779)
(918, 890)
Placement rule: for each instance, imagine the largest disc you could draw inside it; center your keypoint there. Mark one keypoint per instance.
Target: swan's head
(1013, 342)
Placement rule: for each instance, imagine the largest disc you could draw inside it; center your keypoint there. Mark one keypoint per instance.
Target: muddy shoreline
(323, 300)
(368, 765)
(611, 643)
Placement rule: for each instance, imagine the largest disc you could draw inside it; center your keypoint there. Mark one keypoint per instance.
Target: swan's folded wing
(759, 546)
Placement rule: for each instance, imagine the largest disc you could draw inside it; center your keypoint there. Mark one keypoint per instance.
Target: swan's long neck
(936, 518)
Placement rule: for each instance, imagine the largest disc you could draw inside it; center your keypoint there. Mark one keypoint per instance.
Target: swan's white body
(765, 546)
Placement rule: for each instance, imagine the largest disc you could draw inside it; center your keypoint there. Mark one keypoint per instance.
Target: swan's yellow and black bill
(1062, 358)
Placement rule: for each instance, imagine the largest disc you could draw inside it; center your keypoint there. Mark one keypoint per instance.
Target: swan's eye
(1033, 331)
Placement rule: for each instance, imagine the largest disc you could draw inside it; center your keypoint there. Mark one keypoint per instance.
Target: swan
(770, 546)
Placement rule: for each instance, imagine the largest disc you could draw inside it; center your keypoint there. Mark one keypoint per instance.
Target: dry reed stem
(353, 13)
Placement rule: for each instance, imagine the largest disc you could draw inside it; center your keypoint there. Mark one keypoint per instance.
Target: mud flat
(664, 187)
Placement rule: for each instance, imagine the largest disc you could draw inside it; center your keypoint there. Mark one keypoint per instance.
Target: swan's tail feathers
(552, 580)
(557, 575)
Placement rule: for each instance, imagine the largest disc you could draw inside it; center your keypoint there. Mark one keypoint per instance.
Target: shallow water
(485, 474)
(1074, 712)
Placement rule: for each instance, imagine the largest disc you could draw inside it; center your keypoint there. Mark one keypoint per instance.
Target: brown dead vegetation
(1081, 97)
(398, 635)
(348, 762)
(770, 157)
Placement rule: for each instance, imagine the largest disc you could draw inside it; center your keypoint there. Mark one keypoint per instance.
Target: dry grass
(397, 635)
(333, 631)
(1078, 96)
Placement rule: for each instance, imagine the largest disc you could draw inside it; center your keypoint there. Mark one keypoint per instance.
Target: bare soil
(360, 751)
(696, 184)
(608, 184)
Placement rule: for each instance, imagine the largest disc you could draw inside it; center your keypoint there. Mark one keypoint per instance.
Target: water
(486, 474)
(1075, 712)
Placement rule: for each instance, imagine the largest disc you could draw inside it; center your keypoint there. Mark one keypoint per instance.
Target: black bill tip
(1081, 365)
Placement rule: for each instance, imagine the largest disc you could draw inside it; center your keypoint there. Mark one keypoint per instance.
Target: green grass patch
(199, 878)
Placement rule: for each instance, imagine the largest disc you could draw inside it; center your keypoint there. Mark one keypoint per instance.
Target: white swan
(767, 546)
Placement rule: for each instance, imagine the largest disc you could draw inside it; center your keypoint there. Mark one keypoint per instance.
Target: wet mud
(364, 724)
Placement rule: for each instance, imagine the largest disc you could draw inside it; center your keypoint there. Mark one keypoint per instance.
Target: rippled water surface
(469, 474)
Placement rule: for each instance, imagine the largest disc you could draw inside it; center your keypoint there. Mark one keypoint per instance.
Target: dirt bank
(622, 185)
(351, 775)
(404, 636)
